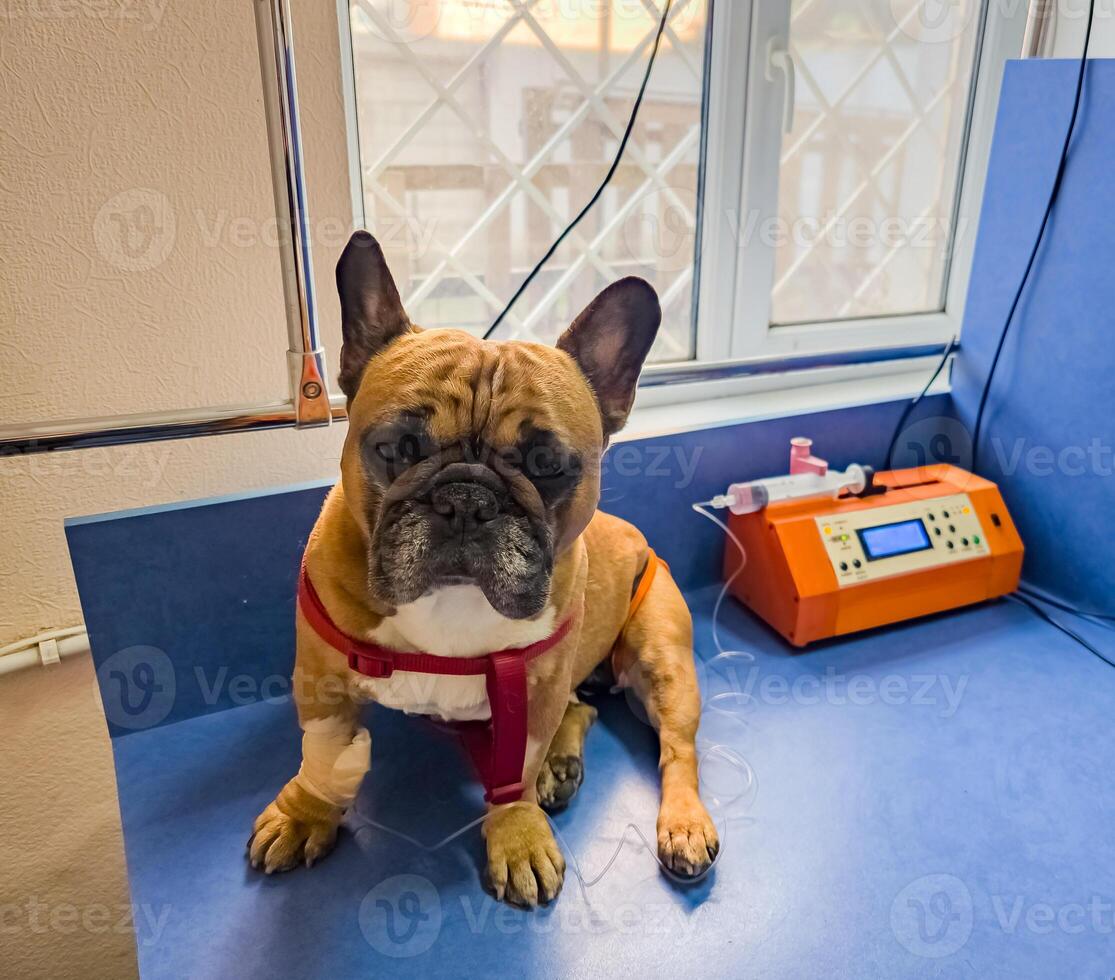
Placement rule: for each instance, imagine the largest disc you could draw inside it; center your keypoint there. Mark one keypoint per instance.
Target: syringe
(809, 476)
(745, 498)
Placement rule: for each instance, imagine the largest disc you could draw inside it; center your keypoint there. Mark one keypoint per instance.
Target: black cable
(1033, 593)
(1037, 241)
(949, 348)
(603, 184)
(1038, 611)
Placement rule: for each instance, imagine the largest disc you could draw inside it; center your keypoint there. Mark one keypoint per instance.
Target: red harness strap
(497, 747)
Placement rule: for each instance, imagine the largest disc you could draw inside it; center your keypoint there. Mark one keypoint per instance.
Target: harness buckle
(370, 665)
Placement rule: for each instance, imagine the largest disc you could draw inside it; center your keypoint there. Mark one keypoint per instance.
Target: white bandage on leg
(333, 762)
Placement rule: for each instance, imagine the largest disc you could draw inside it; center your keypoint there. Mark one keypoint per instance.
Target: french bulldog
(465, 521)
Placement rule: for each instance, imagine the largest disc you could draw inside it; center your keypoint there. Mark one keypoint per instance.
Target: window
(869, 168)
(803, 179)
(485, 124)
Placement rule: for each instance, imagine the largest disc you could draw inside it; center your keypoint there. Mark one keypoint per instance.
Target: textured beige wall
(137, 271)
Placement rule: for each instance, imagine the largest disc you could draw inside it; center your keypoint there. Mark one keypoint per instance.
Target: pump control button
(857, 562)
(951, 545)
(975, 539)
(843, 566)
(964, 541)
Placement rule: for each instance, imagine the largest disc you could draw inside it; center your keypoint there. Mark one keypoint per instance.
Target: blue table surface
(932, 799)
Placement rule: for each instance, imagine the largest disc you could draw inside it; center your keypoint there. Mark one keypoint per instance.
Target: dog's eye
(391, 454)
(544, 463)
(407, 449)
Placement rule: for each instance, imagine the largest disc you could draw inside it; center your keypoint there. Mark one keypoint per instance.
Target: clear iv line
(725, 753)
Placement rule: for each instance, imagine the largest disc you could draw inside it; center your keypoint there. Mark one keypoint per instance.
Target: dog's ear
(610, 340)
(372, 314)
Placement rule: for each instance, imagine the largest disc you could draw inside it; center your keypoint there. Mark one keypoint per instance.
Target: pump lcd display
(888, 540)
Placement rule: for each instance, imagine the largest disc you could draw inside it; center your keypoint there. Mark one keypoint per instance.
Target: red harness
(497, 747)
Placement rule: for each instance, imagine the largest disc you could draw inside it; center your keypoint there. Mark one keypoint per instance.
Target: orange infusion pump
(920, 541)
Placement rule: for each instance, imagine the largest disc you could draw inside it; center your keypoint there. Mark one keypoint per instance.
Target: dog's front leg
(656, 658)
(525, 865)
(300, 825)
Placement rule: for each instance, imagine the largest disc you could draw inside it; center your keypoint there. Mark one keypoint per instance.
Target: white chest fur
(455, 621)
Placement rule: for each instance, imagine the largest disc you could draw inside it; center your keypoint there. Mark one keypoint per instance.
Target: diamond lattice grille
(485, 125)
(869, 174)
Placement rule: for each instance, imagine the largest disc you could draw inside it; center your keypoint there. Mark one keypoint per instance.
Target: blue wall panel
(1049, 428)
(181, 602)
(190, 608)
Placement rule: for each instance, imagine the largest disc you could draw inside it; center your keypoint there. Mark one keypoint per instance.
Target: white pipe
(67, 642)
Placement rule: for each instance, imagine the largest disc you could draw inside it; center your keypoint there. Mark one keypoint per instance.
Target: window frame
(734, 297)
(736, 349)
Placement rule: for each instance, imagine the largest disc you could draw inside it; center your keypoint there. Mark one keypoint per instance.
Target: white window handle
(779, 59)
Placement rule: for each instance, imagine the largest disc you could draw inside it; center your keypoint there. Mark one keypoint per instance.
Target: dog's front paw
(687, 839)
(286, 836)
(525, 866)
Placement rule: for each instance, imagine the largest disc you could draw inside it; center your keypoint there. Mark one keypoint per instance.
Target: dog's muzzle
(457, 520)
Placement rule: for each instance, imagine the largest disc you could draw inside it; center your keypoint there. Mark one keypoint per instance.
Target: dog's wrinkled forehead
(457, 389)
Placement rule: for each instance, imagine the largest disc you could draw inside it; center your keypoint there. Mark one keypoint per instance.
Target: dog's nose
(465, 505)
